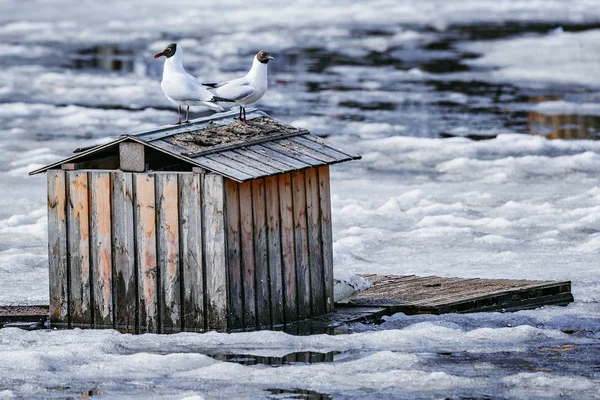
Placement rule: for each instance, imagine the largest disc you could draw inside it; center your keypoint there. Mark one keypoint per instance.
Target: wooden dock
(391, 294)
(413, 294)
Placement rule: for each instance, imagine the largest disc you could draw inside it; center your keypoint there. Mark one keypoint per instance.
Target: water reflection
(308, 357)
(297, 394)
(105, 57)
(562, 126)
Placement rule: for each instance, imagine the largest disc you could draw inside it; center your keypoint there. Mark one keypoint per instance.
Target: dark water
(428, 107)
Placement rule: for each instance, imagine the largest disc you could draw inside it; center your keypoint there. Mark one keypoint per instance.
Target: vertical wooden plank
(261, 263)
(287, 248)
(315, 251)
(274, 249)
(57, 247)
(100, 243)
(247, 244)
(326, 233)
(214, 250)
(192, 275)
(301, 244)
(145, 237)
(234, 263)
(124, 268)
(79, 249)
(167, 236)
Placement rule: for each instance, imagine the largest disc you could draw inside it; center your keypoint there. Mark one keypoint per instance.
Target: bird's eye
(262, 54)
(168, 49)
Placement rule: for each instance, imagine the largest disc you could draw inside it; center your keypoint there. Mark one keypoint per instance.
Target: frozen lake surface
(406, 84)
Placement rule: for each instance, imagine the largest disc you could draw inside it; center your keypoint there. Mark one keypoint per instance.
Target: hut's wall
(139, 252)
(171, 251)
(279, 248)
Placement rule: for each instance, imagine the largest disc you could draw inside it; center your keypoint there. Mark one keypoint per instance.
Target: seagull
(248, 89)
(182, 88)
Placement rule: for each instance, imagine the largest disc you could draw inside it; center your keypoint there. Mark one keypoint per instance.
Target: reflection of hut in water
(561, 126)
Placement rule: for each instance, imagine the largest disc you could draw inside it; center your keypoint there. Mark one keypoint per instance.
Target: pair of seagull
(183, 89)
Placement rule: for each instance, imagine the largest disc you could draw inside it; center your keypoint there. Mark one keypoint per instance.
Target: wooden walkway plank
(100, 245)
(437, 295)
(190, 240)
(167, 201)
(78, 218)
(146, 257)
(124, 267)
(57, 246)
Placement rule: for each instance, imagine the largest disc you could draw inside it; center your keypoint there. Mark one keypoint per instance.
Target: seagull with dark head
(248, 89)
(182, 88)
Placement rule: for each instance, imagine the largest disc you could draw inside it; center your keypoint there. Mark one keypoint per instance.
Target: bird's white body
(182, 88)
(247, 89)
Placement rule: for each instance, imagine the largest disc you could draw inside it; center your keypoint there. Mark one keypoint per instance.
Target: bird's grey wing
(235, 92)
(215, 85)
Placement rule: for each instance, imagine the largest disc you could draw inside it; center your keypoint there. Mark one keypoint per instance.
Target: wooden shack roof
(240, 152)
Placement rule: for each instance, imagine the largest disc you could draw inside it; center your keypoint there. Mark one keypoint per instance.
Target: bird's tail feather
(222, 99)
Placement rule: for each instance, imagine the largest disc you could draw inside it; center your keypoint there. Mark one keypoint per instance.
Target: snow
(386, 80)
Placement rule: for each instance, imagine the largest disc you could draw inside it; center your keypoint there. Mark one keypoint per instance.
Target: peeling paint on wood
(215, 252)
(287, 248)
(124, 266)
(101, 257)
(192, 275)
(145, 234)
(167, 197)
(57, 246)
(79, 248)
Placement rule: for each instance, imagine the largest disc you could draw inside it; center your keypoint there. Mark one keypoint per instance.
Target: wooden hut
(213, 225)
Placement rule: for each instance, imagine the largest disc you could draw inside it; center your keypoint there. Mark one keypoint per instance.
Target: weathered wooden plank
(281, 157)
(237, 164)
(168, 251)
(274, 248)
(234, 254)
(190, 235)
(437, 295)
(123, 246)
(311, 161)
(131, 157)
(100, 245)
(286, 210)
(315, 244)
(247, 245)
(326, 233)
(57, 247)
(261, 263)
(79, 249)
(222, 169)
(300, 148)
(146, 259)
(251, 153)
(257, 165)
(322, 148)
(321, 142)
(301, 245)
(215, 251)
